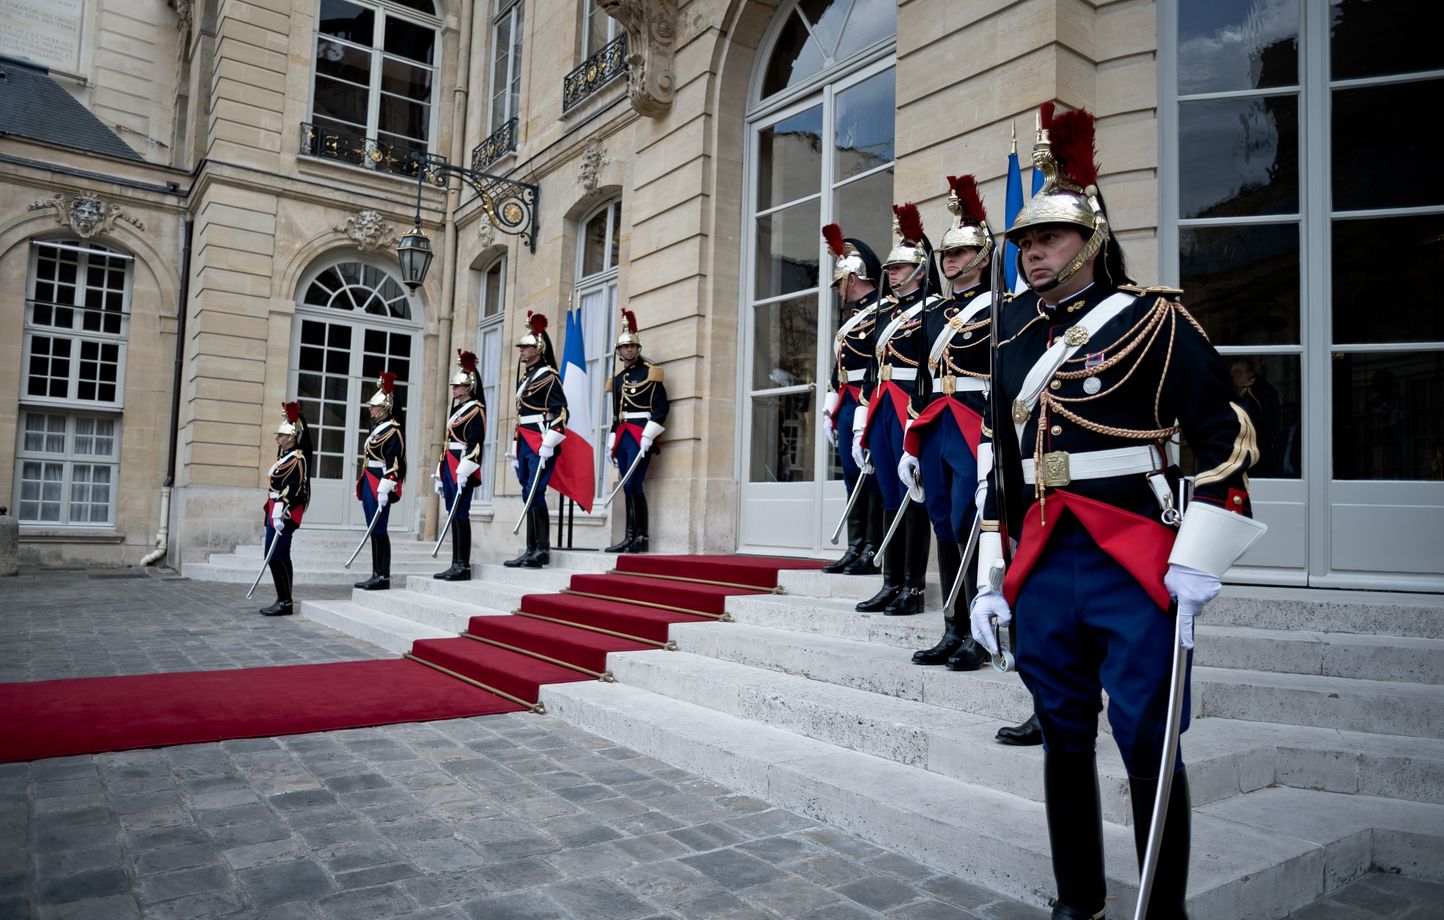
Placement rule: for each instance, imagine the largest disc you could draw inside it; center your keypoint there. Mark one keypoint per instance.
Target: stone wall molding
(651, 27)
(86, 213)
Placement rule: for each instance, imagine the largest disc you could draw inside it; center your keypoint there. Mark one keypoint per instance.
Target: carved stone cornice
(651, 41)
(369, 231)
(86, 213)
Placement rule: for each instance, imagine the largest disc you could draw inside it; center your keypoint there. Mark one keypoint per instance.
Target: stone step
(395, 634)
(814, 583)
(308, 572)
(1365, 657)
(423, 609)
(1384, 707)
(1253, 869)
(1365, 612)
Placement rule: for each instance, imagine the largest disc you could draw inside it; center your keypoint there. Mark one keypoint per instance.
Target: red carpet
(53, 718)
(553, 638)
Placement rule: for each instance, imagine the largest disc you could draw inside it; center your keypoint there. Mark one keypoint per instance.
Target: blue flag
(1012, 205)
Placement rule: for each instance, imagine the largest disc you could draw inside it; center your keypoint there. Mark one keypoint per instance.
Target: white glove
(908, 470)
(385, 485)
(278, 512)
(857, 449)
(646, 444)
(464, 468)
(649, 435)
(436, 484)
(829, 431)
(612, 449)
(988, 604)
(382, 499)
(1193, 589)
(545, 452)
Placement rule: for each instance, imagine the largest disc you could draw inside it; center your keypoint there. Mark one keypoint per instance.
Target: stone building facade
(684, 154)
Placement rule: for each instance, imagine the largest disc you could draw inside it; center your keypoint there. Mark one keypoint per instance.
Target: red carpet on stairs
(553, 638)
(54, 718)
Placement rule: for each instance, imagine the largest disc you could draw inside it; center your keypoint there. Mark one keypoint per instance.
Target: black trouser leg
(916, 538)
(642, 539)
(856, 533)
(540, 526)
(463, 542)
(1170, 879)
(281, 575)
(955, 633)
(383, 555)
(1075, 832)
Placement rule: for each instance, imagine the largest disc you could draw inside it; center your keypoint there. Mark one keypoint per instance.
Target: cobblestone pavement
(498, 817)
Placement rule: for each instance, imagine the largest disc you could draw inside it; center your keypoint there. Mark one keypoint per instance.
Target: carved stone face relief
(593, 159)
(86, 213)
(369, 231)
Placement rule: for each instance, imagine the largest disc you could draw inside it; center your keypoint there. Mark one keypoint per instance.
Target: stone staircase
(1316, 750)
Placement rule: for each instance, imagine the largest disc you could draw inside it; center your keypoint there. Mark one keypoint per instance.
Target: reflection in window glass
(870, 22)
(1389, 416)
(1362, 153)
(1238, 157)
(1268, 387)
(863, 208)
(1412, 249)
(789, 159)
(784, 344)
(782, 429)
(787, 250)
(1242, 282)
(1371, 38)
(865, 122)
(795, 57)
(1228, 45)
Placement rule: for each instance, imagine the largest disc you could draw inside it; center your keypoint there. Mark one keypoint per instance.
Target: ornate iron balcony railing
(348, 147)
(501, 142)
(595, 72)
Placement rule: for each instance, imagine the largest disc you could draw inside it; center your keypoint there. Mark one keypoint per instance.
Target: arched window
(598, 248)
(359, 287)
(820, 150)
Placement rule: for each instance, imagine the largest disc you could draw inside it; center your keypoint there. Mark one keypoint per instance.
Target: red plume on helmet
(537, 322)
(970, 202)
(388, 381)
(629, 321)
(1045, 116)
(1073, 148)
(293, 411)
(835, 243)
(467, 360)
(909, 222)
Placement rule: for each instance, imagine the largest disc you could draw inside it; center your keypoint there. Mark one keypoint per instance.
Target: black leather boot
(380, 579)
(1170, 879)
(640, 543)
(917, 536)
(856, 533)
(520, 561)
(281, 575)
(461, 547)
(540, 524)
(866, 562)
(631, 533)
(950, 558)
(1027, 734)
(893, 570)
(1075, 831)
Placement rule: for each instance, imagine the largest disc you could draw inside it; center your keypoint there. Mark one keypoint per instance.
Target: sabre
(897, 518)
(623, 481)
(535, 480)
(856, 491)
(969, 551)
(1003, 662)
(266, 563)
(1171, 730)
(364, 537)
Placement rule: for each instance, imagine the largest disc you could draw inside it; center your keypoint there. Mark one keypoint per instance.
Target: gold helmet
(384, 395)
(1064, 153)
(970, 222)
(536, 329)
(465, 375)
(909, 247)
(291, 422)
(851, 256)
(629, 335)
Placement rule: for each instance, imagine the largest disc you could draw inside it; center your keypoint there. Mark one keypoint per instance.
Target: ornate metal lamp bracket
(510, 204)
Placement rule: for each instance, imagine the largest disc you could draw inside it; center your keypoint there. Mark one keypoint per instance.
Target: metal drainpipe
(448, 281)
(162, 537)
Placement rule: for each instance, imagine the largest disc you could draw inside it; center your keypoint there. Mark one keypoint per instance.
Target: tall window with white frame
(597, 28)
(67, 462)
(489, 352)
(506, 33)
(374, 86)
(598, 246)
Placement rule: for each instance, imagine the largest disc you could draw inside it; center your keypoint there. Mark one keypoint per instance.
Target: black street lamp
(510, 205)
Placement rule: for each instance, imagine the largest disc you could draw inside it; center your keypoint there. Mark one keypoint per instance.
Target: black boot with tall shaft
(642, 541)
(541, 529)
(894, 558)
(917, 536)
(281, 575)
(527, 553)
(866, 562)
(631, 532)
(1170, 879)
(856, 533)
(1075, 832)
(955, 629)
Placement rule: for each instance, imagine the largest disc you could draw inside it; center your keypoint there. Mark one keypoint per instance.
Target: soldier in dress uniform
(383, 468)
(855, 276)
(941, 445)
(639, 407)
(541, 424)
(288, 493)
(890, 390)
(1098, 377)
(458, 471)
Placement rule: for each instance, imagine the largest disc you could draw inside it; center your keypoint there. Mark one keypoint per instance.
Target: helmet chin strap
(920, 269)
